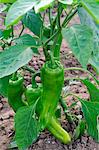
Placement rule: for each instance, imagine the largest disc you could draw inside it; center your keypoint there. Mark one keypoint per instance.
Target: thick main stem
(56, 34)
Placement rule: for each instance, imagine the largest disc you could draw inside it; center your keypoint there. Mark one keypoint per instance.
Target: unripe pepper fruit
(15, 92)
(33, 92)
(52, 80)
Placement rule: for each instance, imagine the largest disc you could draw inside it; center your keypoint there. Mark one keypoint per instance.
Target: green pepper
(33, 91)
(15, 92)
(52, 80)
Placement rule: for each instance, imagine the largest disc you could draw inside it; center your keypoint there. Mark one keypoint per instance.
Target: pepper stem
(52, 59)
(14, 76)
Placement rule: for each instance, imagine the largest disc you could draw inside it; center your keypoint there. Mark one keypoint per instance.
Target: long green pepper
(52, 81)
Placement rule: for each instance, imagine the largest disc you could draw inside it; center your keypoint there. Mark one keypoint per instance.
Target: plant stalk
(28, 69)
(81, 69)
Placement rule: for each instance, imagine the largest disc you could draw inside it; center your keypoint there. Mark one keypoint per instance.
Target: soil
(46, 141)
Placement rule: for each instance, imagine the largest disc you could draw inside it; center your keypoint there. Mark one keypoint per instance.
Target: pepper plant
(36, 105)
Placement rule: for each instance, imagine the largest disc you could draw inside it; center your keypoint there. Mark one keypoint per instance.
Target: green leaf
(4, 86)
(91, 111)
(33, 22)
(93, 90)
(1, 44)
(17, 10)
(3, 8)
(7, 1)
(58, 113)
(26, 127)
(46, 32)
(94, 61)
(92, 7)
(80, 39)
(69, 2)
(42, 5)
(28, 40)
(46, 35)
(5, 34)
(1, 34)
(86, 19)
(98, 124)
(14, 58)
(12, 145)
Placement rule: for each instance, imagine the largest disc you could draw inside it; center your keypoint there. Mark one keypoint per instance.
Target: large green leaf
(93, 90)
(94, 61)
(42, 5)
(13, 58)
(33, 22)
(17, 10)
(7, 1)
(91, 112)
(80, 39)
(92, 7)
(28, 40)
(4, 86)
(86, 19)
(26, 127)
(98, 124)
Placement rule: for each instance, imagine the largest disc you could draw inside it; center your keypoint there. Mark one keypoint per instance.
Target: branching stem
(81, 69)
(28, 69)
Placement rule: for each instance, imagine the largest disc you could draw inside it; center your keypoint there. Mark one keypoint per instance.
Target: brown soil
(46, 141)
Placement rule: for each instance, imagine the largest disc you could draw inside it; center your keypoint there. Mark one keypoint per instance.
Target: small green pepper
(33, 92)
(15, 92)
